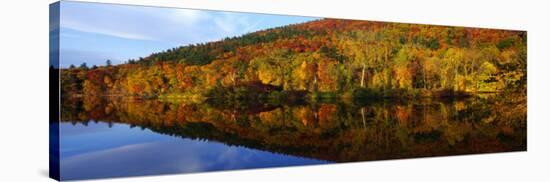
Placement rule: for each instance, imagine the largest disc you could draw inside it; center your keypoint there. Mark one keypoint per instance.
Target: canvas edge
(54, 91)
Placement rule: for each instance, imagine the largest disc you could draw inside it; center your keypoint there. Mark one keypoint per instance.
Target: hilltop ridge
(326, 57)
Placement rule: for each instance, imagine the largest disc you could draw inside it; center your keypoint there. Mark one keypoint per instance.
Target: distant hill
(327, 57)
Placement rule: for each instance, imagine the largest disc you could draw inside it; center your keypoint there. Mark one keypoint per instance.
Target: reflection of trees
(329, 131)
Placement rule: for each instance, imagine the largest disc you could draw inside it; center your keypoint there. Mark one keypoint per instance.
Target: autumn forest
(220, 90)
(320, 59)
(326, 90)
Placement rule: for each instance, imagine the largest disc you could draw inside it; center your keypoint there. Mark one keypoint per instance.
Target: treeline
(342, 58)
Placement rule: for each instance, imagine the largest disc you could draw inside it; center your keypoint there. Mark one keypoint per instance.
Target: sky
(117, 150)
(94, 32)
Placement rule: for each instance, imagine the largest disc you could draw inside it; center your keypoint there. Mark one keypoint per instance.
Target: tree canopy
(344, 57)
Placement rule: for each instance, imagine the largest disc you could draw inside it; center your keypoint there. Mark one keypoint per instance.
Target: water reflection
(178, 136)
(118, 150)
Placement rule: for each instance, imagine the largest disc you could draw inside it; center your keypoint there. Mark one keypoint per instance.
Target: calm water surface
(115, 137)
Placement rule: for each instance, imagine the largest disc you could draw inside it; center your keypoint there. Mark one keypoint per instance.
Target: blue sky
(93, 32)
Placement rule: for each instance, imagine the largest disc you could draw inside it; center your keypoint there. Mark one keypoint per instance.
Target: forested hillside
(322, 58)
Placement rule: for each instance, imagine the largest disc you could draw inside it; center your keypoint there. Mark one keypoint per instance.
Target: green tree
(83, 66)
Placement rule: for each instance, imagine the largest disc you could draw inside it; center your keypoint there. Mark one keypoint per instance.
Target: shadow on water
(340, 131)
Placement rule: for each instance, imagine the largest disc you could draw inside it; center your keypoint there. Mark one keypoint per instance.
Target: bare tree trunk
(315, 87)
(363, 116)
(455, 82)
(233, 78)
(424, 77)
(363, 76)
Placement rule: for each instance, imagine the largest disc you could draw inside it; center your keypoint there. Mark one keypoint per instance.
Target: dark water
(115, 137)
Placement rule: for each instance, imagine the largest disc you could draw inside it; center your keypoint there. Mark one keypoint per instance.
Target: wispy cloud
(161, 24)
(91, 57)
(85, 27)
(134, 31)
(187, 17)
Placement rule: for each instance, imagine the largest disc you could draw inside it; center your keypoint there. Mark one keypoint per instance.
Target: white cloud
(233, 23)
(187, 16)
(225, 24)
(168, 25)
(140, 30)
(156, 24)
(85, 27)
